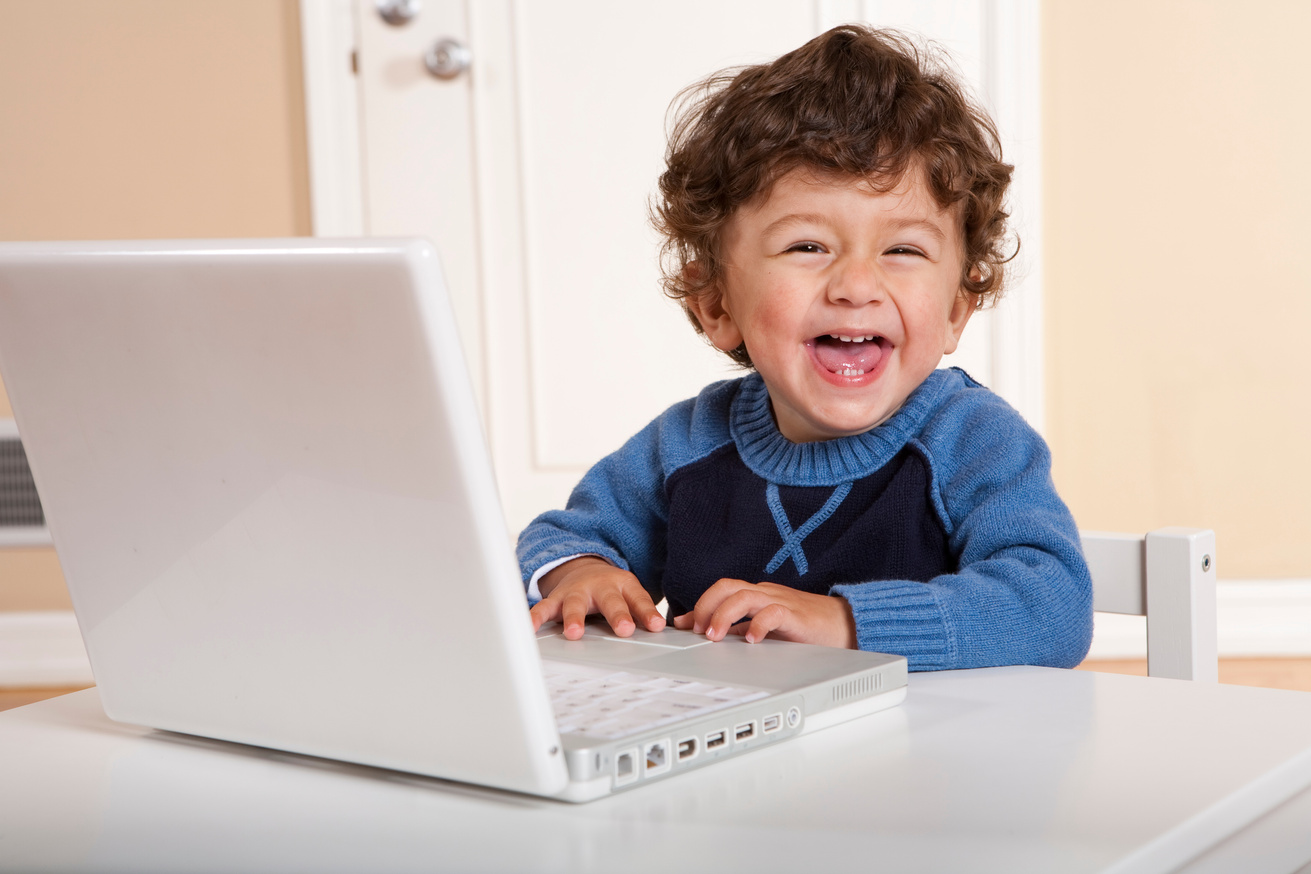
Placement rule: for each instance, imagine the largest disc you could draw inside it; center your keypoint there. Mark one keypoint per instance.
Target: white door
(532, 172)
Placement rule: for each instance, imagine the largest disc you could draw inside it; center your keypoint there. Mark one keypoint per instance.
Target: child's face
(825, 257)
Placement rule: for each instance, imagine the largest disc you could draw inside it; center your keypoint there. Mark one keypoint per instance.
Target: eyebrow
(925, 225)
(798, 218)
(802, 218)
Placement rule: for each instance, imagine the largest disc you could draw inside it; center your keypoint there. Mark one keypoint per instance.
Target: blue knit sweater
(941, 527)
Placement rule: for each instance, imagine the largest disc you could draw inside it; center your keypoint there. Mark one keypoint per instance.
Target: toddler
(832, 221)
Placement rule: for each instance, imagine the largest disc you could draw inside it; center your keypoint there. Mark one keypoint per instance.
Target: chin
(845, 427)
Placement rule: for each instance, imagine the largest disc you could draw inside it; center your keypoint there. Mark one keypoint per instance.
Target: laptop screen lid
(263, 471)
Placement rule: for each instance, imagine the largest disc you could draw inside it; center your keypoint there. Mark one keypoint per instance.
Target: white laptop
(263, 470)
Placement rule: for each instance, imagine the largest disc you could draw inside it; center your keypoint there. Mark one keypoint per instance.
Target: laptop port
(625, 767)
(658, 759)
(772, 723)
(686, 749)
(716, 739)
(745, 731)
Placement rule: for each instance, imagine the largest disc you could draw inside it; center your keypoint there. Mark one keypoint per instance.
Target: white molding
(42, 649)
(1254, 619)
(1013, 87)
(332, 123)
(25, 535)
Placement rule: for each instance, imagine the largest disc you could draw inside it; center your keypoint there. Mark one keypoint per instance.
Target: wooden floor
(1270, 673)
(11, 698)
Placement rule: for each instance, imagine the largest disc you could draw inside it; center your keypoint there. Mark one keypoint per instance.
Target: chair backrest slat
(1118, 563)
(1167, 575)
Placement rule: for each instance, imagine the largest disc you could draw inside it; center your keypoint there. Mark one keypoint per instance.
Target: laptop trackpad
(598, 640)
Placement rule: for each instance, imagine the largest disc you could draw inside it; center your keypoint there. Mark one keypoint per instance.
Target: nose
(856, 282)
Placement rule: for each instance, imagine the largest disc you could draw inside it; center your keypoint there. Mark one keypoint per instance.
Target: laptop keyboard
(605, 703)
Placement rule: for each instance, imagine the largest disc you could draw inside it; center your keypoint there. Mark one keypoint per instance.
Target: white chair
(1167, 575)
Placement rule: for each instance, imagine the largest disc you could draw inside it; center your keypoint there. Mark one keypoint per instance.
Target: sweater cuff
(902, 618)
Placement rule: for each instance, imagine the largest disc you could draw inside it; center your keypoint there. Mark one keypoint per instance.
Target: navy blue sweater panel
(884, 528)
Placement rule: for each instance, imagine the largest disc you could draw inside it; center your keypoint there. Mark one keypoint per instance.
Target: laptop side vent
(19, 505)
(857, 688)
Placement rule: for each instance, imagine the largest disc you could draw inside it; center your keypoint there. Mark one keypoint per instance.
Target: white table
(1007, 769)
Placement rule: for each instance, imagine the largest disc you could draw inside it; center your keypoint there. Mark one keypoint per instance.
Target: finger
(573, 613)
(544, 611)
(684, 622)
(614, 607)
(711, 600)
(737, 606)
(766, 620)
(641, 605)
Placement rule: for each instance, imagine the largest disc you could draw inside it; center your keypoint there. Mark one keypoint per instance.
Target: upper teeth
(845, 339)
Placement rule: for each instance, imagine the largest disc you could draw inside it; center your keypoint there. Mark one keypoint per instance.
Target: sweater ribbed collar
(770, 455)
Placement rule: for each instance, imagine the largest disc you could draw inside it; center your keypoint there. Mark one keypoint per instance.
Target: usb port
(716, 739)
(686, 749)
(772, 723)
(744, 731)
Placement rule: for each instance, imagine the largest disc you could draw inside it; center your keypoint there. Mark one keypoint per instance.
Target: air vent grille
(19, 505)
(857, 688)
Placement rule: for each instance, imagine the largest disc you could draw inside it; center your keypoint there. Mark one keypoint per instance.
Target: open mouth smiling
(849, 355)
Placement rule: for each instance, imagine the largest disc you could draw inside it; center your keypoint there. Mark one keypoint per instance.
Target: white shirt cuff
(534, 593)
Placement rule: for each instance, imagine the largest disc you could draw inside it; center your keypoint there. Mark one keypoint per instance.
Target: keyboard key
(596, 701)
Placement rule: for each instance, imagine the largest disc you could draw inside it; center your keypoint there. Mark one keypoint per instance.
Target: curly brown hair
(854, 101)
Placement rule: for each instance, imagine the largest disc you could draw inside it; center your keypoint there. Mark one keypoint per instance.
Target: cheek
(783, 303)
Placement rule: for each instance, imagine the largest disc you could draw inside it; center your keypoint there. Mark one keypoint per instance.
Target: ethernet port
(658, 758)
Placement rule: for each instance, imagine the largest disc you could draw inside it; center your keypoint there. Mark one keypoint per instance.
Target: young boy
(832, 221)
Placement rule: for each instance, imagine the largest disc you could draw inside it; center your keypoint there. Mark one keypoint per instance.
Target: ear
(711, 313)
(964, 306)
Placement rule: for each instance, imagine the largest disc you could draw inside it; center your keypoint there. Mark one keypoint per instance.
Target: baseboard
(42, 650)
(1254, 618)
(24, 535)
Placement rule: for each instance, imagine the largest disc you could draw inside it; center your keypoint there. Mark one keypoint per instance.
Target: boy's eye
(806, 248)
(906, 250)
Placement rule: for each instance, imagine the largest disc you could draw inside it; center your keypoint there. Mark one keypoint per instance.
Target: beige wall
(1175, 185)
(145, 119)
(1178, 277)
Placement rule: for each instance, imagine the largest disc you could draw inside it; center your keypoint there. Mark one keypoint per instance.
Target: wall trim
(25, 535)
(1013, 85)
(332, 123)
(42, 649)
(1254, 619)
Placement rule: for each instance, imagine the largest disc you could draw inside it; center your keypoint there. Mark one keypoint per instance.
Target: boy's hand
(592, 585)
(784, 612)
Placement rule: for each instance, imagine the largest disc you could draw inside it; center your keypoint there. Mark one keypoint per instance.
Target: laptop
(264, 473)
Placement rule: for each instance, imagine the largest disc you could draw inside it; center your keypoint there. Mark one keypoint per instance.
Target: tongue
(837, 356)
